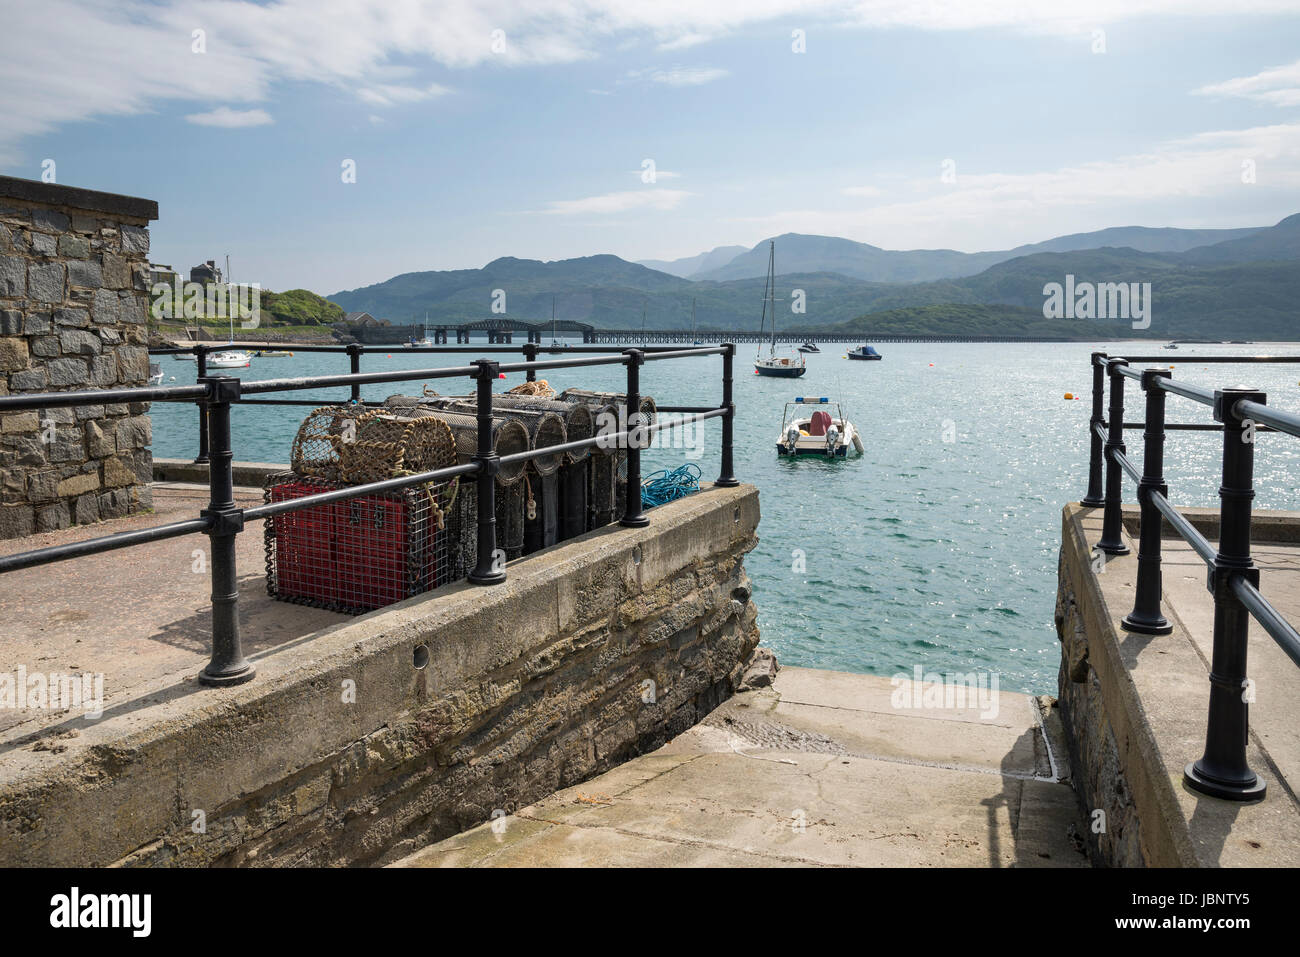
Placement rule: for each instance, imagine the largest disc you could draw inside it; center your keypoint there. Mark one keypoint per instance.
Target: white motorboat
(233, 359)
(816, 431)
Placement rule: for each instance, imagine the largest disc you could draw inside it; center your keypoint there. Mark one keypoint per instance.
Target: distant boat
(272, 354)
(864, 352)
(784, 367)
(1172, 345)
(809, 347)
(233, 359)
(694, 335)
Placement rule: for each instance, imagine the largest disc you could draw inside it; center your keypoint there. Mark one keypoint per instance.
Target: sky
(329, 145)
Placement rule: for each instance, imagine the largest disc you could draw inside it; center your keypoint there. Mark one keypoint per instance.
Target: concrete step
(822, 769)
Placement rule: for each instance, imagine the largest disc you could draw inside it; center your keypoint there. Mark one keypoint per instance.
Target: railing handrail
(1233, 579)
(223, 519)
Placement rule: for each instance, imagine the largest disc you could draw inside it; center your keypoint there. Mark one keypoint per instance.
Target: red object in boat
(821, 421)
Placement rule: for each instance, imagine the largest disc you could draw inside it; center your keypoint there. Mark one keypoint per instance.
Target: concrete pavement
(821, 769)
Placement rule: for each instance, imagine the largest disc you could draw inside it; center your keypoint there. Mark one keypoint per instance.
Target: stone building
(74, 287)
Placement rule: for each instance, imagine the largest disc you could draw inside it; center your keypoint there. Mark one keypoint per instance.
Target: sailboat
(555, 342)
(424, 341)
(694, 335)
(230, 358)
(785, 367)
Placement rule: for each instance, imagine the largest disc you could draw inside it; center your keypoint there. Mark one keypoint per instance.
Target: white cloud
(224, 116)
(687, 76)
(391, 94)
(924, 210)
(620, 202)
(1279, 86)
(131, 56)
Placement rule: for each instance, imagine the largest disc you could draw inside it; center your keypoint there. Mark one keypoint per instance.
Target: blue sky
(534, 148)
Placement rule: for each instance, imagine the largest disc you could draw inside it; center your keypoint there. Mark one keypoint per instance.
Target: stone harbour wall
(73, 303)
(371, 739)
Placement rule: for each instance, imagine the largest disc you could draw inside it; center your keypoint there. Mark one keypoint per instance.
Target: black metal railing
(223, 519)
(1233, 579)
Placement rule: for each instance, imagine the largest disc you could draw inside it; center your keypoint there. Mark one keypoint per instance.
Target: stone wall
(73, 300)
(368, 740)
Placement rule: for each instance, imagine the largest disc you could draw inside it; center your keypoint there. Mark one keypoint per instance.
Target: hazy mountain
(689, 266)
(1275, 243)
(800, 253)
(1247, 286)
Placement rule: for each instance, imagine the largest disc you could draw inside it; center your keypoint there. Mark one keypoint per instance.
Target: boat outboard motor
(791, 439)
(832, 440)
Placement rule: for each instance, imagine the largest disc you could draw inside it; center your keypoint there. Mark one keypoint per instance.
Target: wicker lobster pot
(323, 432)
(386, 443)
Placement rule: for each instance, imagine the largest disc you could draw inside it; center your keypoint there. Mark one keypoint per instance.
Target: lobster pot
(542, 517)
(362, 553)
(511, 502)
(464, 542)
(602, 491)
(315, 450)
(572, 482)
(387, 443)
(544, 430)
(606, 404)
(508, 438)
(579, 420)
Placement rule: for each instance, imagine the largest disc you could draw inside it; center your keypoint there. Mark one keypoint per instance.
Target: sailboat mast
(771, 285)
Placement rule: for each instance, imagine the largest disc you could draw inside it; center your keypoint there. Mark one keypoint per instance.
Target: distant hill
(689, 266)
(1275, 243)
(800, 253)
(965, 319)
(1244, 287)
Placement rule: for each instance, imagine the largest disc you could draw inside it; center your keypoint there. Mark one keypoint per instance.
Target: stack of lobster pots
(371, 550)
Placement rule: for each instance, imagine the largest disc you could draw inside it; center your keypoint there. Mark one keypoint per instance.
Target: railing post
(1112, 525)
(633, 516)
(727, 477)
(201, 358)
(354, 364)
(1145, 618)
(228, 665)
(1094, 497)
(530, 355)
(1222, 770)
(487, 570)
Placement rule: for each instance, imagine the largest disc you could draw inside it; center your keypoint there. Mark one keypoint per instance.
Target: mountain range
(1219, 283)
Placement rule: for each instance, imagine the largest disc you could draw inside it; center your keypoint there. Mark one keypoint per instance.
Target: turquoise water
(938, 546)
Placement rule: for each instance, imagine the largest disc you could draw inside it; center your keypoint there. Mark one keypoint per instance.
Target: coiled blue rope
(664, 486)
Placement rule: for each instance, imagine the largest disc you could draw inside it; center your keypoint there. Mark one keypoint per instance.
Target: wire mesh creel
(579, 420)
(544, 428)
(608, 410)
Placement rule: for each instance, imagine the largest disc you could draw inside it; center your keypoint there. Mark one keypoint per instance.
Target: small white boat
(229, 360)
(816, 432)
(184, 357)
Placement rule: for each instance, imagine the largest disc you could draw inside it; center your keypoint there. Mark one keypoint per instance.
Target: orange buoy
(1069, 395)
